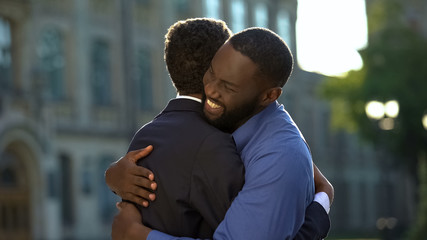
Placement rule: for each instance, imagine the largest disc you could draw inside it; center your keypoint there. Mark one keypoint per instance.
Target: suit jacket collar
(183, 104)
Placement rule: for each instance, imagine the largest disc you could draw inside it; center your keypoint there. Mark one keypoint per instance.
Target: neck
(259, 108)
(196, 95)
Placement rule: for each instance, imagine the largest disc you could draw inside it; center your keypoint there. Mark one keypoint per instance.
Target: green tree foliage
(395, 68)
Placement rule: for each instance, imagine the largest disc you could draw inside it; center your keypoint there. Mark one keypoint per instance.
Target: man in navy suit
(198, 171)
(175, 176)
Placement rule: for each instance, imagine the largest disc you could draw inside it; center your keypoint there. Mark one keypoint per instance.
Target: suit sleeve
(218, 176)
(316, 223)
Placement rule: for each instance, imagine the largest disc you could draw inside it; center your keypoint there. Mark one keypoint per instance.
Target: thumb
(142, 153)
(121, 205)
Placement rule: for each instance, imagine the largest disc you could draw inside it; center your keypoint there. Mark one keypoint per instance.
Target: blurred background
(79, 77)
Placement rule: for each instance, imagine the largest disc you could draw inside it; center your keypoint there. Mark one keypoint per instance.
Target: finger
(144, 172)
(143, 193)
(144, 182)
(138, 154)
(139, 200)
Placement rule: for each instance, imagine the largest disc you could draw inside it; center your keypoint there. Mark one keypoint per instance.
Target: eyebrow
(229, 83)
(223, 80)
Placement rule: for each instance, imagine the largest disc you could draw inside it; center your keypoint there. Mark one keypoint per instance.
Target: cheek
(205, 79)
(236, 101)
(230, 103)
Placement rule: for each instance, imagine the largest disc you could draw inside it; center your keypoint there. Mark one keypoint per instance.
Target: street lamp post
(384, 115)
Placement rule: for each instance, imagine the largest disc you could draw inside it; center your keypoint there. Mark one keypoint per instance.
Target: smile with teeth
(212, 104)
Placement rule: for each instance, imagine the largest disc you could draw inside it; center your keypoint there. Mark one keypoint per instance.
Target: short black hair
(268, 51)
(190, 46)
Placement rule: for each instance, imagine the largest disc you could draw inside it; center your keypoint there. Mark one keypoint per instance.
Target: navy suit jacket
(196, 167)
(199, 173)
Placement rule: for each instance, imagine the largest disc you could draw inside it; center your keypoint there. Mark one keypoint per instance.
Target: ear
(270, 95)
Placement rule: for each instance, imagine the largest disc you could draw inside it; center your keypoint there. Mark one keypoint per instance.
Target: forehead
(230, 65)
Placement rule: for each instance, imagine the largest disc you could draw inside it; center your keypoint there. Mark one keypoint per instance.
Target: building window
(261, 15)
(101, 73)
(212, 8)
(182, 9)
(107, 199)
(238, 15)
(145, 92)
(9, 169)
(67, 196)
(5, 57)
(284, 26)
(50, 51)
(142, 11)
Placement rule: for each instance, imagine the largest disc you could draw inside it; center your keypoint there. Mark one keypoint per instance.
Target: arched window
(101, 73)
(50, 50)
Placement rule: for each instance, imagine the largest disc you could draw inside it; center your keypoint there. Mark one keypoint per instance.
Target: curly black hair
(268, 51)
(190, 46)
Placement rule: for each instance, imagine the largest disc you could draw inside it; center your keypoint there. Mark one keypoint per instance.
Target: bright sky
(329, 33)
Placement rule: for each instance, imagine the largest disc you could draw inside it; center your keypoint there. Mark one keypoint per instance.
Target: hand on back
(130, 181)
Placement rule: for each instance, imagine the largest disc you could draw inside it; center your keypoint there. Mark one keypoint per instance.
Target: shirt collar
(189, 97)
(245, 132)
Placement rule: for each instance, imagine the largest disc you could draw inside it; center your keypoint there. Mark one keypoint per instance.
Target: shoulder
(277, 147)
(279, 137)
(218, 151)
(218, 143)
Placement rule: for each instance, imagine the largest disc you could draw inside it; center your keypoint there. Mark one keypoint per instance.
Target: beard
(231, 119)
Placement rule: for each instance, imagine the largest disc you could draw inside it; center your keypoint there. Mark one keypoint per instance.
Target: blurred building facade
(79, 77)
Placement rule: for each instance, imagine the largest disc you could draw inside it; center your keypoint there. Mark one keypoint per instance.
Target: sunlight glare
(329, 33)
(375, 110)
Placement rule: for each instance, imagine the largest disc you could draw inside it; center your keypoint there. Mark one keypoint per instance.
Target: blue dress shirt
(279, 181)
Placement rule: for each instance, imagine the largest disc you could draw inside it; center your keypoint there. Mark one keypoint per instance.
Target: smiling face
(233, 92)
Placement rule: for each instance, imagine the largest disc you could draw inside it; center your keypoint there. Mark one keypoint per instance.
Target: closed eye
(228, 87)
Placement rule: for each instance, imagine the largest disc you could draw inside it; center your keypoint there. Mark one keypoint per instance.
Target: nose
(211, 89)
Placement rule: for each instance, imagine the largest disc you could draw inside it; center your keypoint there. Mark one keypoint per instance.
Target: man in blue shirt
(242, 86)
